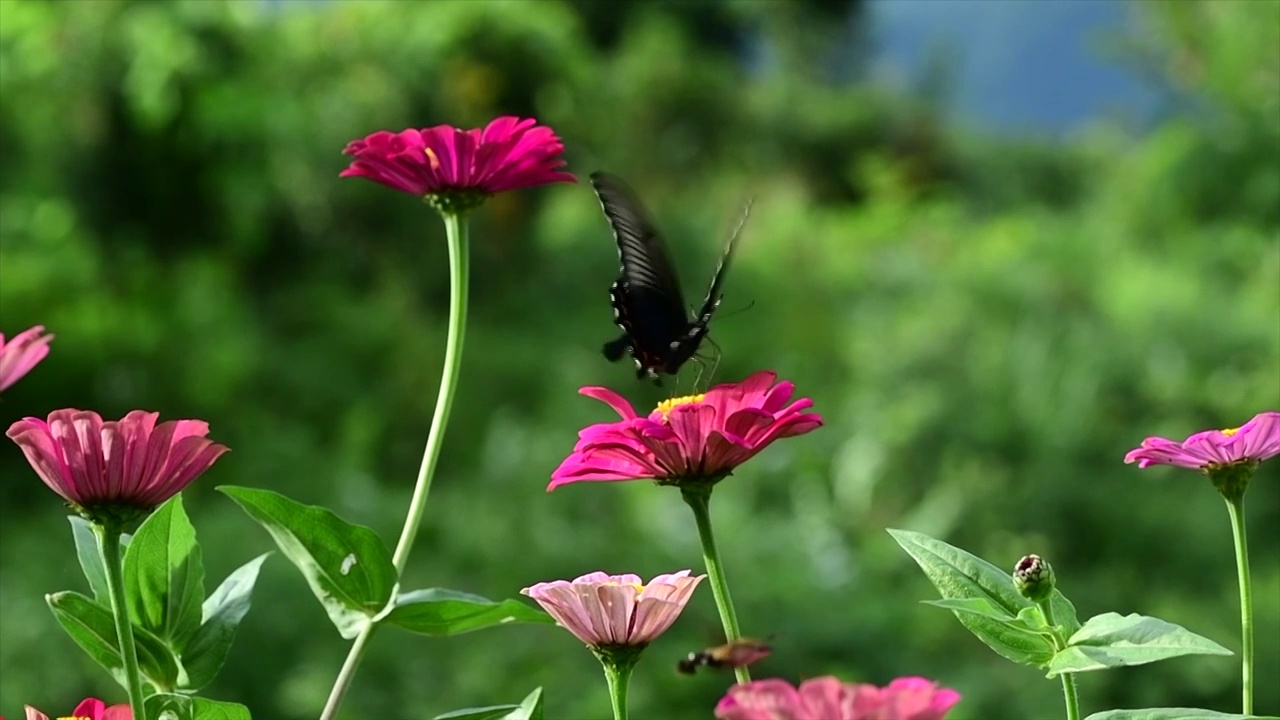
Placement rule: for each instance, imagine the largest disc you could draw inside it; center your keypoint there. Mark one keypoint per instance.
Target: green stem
(618, 677)
(348, 672)
(456, 232)
(1235, 508)
(699, 500)
(109, 542)
(1069, 693)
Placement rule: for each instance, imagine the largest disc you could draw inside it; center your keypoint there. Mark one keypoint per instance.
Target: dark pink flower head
(1255, 441)
(22, 353)
(611, 610)
(508, 154)
(826, 698)
(1229, 457)
(131, 462)
(698, 438)
(89, 709)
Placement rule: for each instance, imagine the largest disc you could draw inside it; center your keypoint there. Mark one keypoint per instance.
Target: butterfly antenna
(731, 313)
(716, 365)
(713, 293)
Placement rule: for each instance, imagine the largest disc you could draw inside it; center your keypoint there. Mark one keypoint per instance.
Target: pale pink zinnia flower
(22, 353)
(698, 438)
(508, 154)
(89, 709)
(1255, 441)
(826, 698)
(131, 462)
(611, 610)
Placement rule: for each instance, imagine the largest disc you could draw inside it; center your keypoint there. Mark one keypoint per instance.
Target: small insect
(739, 653)
(647, 303)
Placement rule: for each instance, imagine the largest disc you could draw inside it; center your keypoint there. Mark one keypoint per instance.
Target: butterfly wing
(647, 301)
(686, 345)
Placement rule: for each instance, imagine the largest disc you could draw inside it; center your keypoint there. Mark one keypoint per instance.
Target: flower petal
(612, 399)
(1258, 439)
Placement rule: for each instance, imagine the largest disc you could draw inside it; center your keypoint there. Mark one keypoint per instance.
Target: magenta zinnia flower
(611, 610)
(1255, 441)
(826, 698)
(88, 709)
(508, 154)
(131, 462)
(1229, 457)
(22, 353)
(698, 438)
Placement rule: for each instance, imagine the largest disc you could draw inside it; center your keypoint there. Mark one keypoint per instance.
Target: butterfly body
(648, 305)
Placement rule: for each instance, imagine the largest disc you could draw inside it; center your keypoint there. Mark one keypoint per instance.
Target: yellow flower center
(431, 156)
(666, 406)
(73, 718)
(639, 588)
(1231, 431)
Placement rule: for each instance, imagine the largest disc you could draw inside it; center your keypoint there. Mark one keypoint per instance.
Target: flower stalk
(618, 661)
(109, 544)
(698, 498)
(456, 230)
(1069, 694)
(457, 236)
(1235, 508)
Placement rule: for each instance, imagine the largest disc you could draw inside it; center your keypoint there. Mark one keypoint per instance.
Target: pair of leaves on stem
(986, 601)
(182, 637)
(350, 572)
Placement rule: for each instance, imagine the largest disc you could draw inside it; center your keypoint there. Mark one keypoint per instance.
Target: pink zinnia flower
(22, 353)
(826, 698)
(131, 462)
(611, 610)
(698, 438)
(1255, 441)
(89, 709)
(508, 154)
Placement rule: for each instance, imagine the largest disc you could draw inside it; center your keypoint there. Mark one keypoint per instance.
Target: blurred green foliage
(988, 324)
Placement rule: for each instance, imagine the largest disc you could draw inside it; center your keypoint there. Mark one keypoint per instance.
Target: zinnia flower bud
(1034, 578)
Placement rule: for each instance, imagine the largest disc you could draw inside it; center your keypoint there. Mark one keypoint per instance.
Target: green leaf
(1029, 619)
(1173, 714)
(1113, 640)
(92, 627)
(973, 606)
(439, 612)
(492, 712)
(222, 612)
(90, 556)
(163, 575)
(530, 708)
(186, 707)
(347, 566)
(959, 575)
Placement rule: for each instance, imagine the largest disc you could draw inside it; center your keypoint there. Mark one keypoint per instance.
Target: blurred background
(997, 243)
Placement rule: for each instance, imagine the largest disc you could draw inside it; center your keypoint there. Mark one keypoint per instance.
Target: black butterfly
(647, 302)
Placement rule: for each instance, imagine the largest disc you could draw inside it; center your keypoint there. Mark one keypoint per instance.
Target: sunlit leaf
(347, 566)
(1113, 640)
(164, 576)
(222, 613)
(439, 612)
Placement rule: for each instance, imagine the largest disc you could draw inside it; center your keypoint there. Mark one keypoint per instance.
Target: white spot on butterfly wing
(348, 562)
